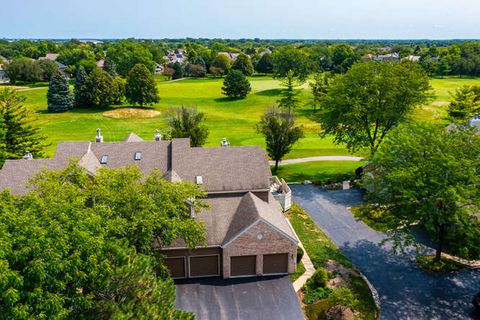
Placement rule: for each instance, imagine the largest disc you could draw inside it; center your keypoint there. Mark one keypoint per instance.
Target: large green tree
(59, 96)
(49, 68)
(290, 58)
(141, 87)
(126, 54)
(343, 57)
(427, 175)
(265, 64)
(17, 134)
(220, 65)
(187, 122)
(280, 132)
(77, 248)
(100, 88)
(364, 104)
(236, 85)
(23, 69)
(243, 64)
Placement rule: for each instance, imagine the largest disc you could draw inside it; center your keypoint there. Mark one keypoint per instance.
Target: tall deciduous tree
(319, 87)
(72, 248)
(220, 65)
(177, 71)
(49, 68)
(280, 132)
(426, 175)
(141, 87)
(290, 91)
(243, 64)
(290, 58)
(100, 88)
(363, 105)
(236, 85)
(17, 134)
(81, 91)
(59, 97)
(23, 69)
(187, 122)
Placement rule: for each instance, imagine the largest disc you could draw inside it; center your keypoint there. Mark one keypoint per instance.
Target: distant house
(387, 57)
(101, 63)
(475, 122)
(158, 68)
(50, 56)
(367, 57)
(3, 75)
(62, 68)
(173, 56)
(231, 56)
(246, 233)
(412, 58)
(264, 52)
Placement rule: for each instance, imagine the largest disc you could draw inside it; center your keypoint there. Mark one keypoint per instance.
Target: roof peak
(132, 137)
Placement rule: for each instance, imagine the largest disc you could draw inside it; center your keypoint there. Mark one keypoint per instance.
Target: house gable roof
(132, 137)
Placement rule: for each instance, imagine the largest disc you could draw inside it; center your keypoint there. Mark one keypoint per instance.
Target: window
(104, 159)
(138, 156)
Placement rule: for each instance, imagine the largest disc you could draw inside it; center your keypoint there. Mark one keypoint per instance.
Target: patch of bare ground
(123, 113)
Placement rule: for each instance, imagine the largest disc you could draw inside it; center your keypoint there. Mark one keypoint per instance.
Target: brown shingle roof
(132, 137)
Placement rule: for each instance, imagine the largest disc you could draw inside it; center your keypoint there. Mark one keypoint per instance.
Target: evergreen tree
(244, 64)
(141, 87)
(177, 71)
(81, 90)
(236, 85)
(17, 135)
(59, 97)
(289, 99)
(265, 64)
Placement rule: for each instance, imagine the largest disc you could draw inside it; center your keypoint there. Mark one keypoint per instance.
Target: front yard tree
(363, 105)
(243, 64)
(81, 90)
(187, 122)
(141, 87)
(427, 175)
(290, 93)
(17, 135)
(59, 97)
(236, 85)
(280, 132)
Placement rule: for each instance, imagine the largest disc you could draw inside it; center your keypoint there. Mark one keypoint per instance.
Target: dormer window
(138, 156)
(104, 159)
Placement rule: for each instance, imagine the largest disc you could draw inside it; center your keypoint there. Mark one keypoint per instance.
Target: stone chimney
(28, 156)
(157, 136)
(98, 137)
(224, 142)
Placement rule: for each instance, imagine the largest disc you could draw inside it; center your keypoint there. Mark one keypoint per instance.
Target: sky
(267, 19)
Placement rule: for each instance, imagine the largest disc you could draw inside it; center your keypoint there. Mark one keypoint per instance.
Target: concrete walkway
(318, 158)
(309, 270)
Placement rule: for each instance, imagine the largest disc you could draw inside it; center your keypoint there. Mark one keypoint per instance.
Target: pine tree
(17, 135)
(236, 85)
(141, 87)
(81, 89)
(59, 97)
(289, 99)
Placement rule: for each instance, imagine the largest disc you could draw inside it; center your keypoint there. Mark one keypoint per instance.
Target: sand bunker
(131, 113)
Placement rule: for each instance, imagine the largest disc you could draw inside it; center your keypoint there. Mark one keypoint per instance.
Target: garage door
(204, 266)
(176, 265)
(243, 266)
(275, 263)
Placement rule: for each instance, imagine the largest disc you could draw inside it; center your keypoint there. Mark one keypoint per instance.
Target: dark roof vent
(28, 156)
(157, 136)
(104, 159)
(98, 137)
(138, 156)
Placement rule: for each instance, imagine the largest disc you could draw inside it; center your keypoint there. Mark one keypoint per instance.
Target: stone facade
(249, 243)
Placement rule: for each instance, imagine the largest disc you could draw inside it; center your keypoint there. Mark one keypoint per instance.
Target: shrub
(310, 296)
(299, 254)
(319, 279)
(344, 297)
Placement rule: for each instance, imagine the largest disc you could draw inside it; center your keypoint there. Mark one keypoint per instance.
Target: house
(50, 56)
(412, 58)
(3, 75)
(246, 231)
(387, 57)
(101, 63)
(158, 68)
(231, 56)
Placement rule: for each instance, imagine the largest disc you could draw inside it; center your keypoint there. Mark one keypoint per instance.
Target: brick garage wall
(248, 244)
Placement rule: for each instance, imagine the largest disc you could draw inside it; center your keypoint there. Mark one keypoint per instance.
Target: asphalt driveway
(406, 292)
(258, 298)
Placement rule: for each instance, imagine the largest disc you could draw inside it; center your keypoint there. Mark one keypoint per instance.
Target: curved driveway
(406, 292)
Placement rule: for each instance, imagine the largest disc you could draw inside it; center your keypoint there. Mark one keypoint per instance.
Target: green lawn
(319, 172)
(233, 119)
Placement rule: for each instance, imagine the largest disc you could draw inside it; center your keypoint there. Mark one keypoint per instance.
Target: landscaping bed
(337, 287)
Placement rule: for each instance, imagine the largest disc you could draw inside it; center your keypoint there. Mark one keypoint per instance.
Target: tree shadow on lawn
(406, 291)
(227, 99)
(95, 110)
(269, 93)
